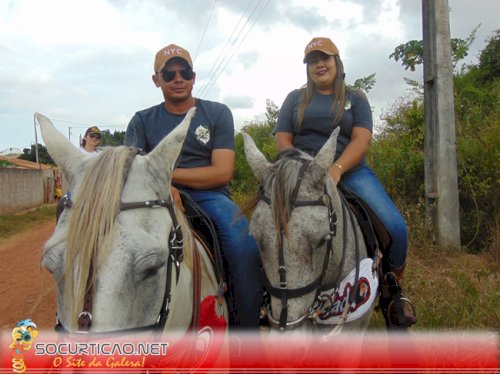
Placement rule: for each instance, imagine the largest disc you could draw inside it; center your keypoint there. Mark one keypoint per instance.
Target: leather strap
(195, 321)
(85, 316)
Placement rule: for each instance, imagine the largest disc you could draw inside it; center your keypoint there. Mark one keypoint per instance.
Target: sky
(85, 63)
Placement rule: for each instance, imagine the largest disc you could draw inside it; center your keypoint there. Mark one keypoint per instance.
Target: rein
(176, 256)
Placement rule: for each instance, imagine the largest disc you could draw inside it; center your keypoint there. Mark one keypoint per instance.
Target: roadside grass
(5, 163)
(451, 289)
(14, 223)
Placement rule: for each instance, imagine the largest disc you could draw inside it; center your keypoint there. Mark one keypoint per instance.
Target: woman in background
(91, 141)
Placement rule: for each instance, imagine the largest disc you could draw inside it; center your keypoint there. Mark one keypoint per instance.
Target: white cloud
(91, 62)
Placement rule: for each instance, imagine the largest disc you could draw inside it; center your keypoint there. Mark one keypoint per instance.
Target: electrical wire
(205, 31)
(220, 65)
(223, 51)
(241, 42)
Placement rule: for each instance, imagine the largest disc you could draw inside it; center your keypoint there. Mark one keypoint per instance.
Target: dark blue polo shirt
(317, 124)
(211, 128)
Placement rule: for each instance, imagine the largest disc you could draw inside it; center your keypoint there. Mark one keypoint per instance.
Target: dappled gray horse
(122, 258)
(313, 253)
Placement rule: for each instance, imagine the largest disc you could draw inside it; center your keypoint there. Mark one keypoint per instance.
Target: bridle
(283, 292)
(175, 258)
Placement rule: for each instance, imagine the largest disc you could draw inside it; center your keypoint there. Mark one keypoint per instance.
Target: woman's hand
(336, 171)
(353, 153)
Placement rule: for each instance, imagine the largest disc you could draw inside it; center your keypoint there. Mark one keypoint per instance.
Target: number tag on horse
(339, 298)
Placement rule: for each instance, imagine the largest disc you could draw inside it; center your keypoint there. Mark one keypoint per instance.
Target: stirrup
(399, 312)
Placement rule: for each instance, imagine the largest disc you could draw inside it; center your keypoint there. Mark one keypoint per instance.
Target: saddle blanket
(339, 297)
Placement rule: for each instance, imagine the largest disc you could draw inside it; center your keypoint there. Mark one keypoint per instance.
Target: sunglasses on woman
(169, 75)
(95, 136)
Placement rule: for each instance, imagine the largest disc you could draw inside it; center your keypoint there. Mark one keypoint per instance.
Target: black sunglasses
(169, 75)
(95, 136)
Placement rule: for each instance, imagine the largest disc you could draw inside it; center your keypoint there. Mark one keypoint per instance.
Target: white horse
(123, 259)
(312, 250)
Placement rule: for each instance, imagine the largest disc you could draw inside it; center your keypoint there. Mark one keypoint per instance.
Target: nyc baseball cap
(324, 45)
(169, 52)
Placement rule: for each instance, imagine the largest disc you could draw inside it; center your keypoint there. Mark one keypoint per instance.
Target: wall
(24, 189)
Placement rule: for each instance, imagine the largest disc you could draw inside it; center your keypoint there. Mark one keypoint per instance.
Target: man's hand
(176, 197)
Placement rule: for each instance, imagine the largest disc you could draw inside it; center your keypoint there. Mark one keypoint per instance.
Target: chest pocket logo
(202, 133)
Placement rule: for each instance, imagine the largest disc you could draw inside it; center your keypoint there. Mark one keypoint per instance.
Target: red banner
(208, 351)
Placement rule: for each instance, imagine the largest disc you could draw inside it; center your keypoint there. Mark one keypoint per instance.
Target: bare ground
(27, 290)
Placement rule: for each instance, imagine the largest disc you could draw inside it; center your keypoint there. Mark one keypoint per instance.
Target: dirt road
(26, 290)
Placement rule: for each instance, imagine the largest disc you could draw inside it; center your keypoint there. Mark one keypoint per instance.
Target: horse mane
(91, 224)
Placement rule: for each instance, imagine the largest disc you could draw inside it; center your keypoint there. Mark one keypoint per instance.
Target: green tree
(397, 152)
(411, 53)
(112, 139)
(489, 60)
(261, 132)
(366, 83)
(43, 155)
(477, 93)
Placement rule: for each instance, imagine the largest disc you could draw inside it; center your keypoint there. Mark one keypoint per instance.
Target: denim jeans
(365, 184)
(240, 254)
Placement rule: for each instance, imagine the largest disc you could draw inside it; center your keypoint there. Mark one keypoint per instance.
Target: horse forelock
(280, 182)
(92, 221)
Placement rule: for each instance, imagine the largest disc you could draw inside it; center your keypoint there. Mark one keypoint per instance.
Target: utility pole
(441, 180)
(36, 143)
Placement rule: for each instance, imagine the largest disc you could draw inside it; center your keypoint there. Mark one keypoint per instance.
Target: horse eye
(148, 266)
(151, 272)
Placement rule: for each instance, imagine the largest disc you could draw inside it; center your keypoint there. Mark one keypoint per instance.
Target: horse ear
(168, 150)
(65, 154)
(326, 154)
(257, 161)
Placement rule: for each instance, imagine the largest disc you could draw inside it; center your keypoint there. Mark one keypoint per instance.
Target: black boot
(399, 312)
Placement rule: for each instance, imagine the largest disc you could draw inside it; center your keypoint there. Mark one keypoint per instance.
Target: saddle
(204, 230)
(374, 232)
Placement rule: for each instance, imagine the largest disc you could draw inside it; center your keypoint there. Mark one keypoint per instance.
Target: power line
(223, 50)
(205, 31)
(82, 125)
(220, 64)
(241, 42)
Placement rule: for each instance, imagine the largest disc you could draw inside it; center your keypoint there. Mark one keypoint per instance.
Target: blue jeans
(240, 254)
(365, 184)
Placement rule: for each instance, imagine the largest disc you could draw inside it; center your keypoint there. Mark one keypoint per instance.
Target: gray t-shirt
(211, 128)
(317, 124)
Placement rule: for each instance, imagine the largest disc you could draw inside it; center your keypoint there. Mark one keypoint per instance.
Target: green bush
(397, 152)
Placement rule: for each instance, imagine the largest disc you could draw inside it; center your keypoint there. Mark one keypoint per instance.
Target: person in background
(310, 114)
(88, 146)
(203, 171)
(90, 142)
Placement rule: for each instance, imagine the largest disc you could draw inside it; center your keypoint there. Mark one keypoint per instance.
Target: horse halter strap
(283, 292)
